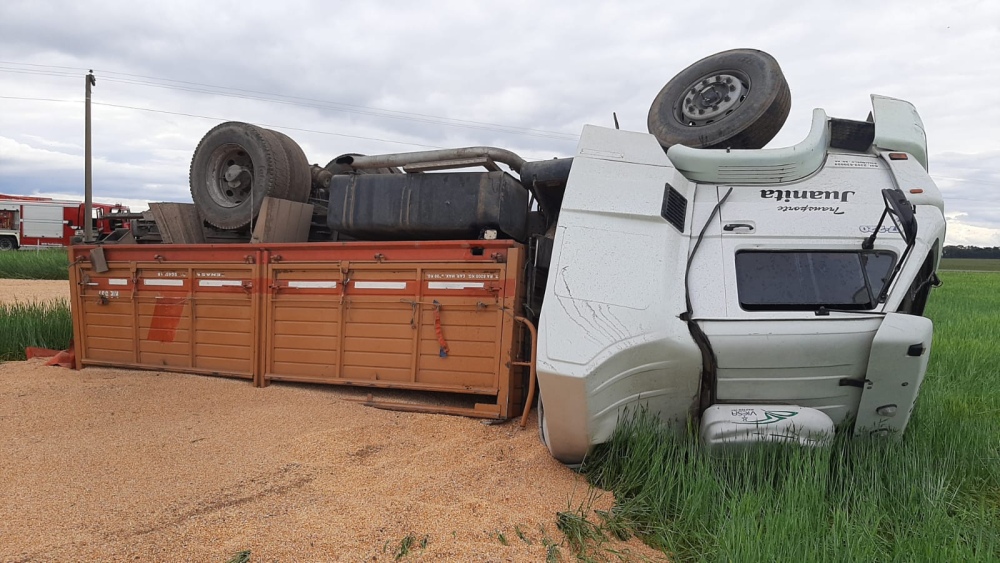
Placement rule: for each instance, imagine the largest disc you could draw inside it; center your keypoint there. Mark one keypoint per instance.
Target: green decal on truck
(750, 416)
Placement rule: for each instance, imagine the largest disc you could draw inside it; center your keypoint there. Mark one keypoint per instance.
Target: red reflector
(916, 191)
(897, 156)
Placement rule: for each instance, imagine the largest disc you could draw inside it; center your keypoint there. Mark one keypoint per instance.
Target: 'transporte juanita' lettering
(831, 209)
(788, 195)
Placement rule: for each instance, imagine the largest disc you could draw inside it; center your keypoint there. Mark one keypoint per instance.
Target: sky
(380, 77)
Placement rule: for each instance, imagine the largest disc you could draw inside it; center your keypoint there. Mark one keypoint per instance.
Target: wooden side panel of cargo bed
(432, 316)
(378, 325)
(163, 307)
(302, 316)
(197, 318)
(433, 327)
(466, 304)
(104, 315)
(224, 320)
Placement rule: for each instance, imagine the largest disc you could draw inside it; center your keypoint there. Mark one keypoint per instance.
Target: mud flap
(896, 368)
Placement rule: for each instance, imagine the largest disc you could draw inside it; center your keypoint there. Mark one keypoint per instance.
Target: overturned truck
(769, 294)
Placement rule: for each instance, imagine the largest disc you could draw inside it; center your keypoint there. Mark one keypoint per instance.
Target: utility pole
(88, 222)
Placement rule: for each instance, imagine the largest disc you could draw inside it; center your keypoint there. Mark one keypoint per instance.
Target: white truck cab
(774, 294)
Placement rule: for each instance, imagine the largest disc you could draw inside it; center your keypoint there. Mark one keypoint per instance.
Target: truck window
(807, 280)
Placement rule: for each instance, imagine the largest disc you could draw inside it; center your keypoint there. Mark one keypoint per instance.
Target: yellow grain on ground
(26, 291)
(111, 465)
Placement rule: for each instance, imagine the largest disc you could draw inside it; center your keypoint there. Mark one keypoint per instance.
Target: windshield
(807, 280)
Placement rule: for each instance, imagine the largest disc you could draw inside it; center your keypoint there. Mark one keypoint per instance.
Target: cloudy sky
(376, 77)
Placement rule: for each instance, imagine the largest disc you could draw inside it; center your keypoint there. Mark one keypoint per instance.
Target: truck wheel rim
(230, 181)
(713, 97)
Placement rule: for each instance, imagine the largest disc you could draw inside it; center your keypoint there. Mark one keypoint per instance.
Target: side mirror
(901, 212)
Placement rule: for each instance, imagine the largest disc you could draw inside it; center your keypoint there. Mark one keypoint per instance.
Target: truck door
(786, 253)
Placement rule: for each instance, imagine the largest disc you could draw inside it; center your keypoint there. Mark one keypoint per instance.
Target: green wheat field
(50, 264)
(934, 495)
(45, 325)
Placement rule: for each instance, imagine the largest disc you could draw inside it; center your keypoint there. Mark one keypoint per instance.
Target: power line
(38, 72)
(227, 91)
(40, 99)
(286, 127)
(268, 125)
(362, 137)
(273, 126)
(361, 110)
(270, 96)
(80, 69)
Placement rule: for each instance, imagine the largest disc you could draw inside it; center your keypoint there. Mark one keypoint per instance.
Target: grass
(46, 325)
(552, 553)
(583, 536)
(932, 496)
(240, 557)
(407, 545)
(971, 264)
(49, 264)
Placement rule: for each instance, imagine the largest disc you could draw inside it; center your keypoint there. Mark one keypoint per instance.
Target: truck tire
(300, 176)
(235, 166)
(8, 243)
(735, 99)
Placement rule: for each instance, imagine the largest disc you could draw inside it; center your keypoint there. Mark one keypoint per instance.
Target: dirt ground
(113, 465)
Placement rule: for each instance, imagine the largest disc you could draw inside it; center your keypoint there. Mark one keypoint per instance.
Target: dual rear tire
(236, 165)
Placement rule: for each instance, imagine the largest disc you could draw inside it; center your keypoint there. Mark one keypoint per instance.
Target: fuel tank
(458, 205)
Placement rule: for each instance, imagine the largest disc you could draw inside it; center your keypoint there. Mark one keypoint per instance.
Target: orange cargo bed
(431, 316)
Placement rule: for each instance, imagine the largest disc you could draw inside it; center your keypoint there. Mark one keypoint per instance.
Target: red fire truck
(27, 221)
